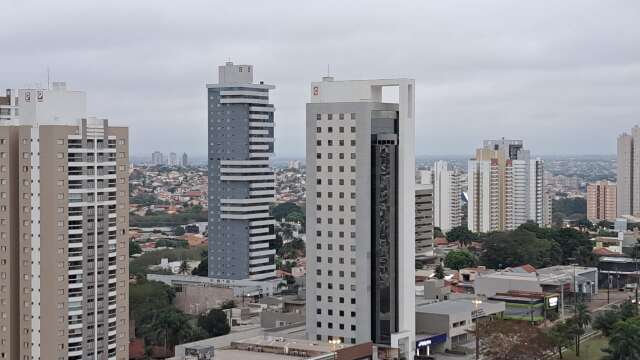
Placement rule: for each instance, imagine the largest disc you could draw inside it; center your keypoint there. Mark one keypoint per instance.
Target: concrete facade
(361, 213)
(602, 201)
(64, 232)
(506, 188)
(628, 173)
(241, 180)
(424, 220)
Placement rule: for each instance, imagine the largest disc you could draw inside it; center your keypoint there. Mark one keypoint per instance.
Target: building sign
(430, 341)
(40, 96)
(552, 302)
(316, 91)
(27, 96)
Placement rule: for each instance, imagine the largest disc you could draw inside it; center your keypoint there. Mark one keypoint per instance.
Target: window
(318, 142)
(353, 129)
(353, 116)
(341, 116)
(329, 116)
(341, 129)
(353, 143)
(318, 116)
(329, 129)
(318, 129)
(318, 155)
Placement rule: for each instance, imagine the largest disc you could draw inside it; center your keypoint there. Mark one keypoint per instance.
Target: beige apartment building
(601, 201)
(506, 188)
(63, 229)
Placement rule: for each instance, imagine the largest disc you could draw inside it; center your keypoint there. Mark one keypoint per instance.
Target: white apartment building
(447, 192)
(361, 213)
(506, 188)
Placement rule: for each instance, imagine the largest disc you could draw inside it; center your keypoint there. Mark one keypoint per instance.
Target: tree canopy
(459, 259)
(215, 323)
(462, 235)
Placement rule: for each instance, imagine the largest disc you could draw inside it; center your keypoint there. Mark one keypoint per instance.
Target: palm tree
(581, 318)
(624, 342)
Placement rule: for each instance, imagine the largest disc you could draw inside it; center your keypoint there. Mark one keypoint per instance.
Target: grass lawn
(589, 350)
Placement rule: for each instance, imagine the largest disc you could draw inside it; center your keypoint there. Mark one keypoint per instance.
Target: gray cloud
(562, 75)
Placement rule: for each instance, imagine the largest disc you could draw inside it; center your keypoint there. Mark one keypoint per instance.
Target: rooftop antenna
(328, 71)
(48, 78)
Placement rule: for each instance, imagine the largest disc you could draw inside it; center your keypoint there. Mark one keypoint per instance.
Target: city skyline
(552, 85)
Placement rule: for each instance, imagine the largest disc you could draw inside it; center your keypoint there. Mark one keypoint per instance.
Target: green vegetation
(624, 340)
(591, 350)
(214, 323)
(293, 249)
(194, 214)
(462, 235)
(540, 247)
(134, 248)
(140, 266)
(459, 259)
(178, 231)
(172, 243)
(289, 211)
(569, 208)
(203, 268)
(146, 200)
(439, 272)
(159, 323)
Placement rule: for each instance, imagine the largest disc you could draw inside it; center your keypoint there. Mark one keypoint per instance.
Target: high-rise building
(628, 171)
(361, 213)
(157, 158)
(601, 201)
(185, 160)
(173, 159)
(447, 194)
(506, 187)
(9, 108)
(424, 221)
(64, 231)
(241, 180)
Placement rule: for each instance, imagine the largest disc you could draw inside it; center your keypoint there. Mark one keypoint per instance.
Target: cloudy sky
(562, 75)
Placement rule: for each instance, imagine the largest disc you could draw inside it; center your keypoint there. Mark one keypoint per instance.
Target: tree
(178, 231)
(134, 248)
(228, 304)
(184, 268)
(606, 320)
(581, 319)
(512, 340)
(624, 341)
(459, 259)
(560, 336)
(437, 232)
(439, 272)
(519, 247)
(215, 323)
(575, 244)
(462, 235)
(203, 268)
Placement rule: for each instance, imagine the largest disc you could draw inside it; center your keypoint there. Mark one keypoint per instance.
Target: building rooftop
(459, 306)
(233, 354)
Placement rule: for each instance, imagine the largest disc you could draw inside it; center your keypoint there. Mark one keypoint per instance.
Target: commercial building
(9, 108)
(506, 188)
(563, 279)
(447, 194)
(442, 325)
(527, 305)
(361, 213)
(63, 230)
(628, 173)
(601, 201)
(424, 221)
(241, 180)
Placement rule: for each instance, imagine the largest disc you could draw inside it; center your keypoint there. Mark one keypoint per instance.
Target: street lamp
(476, 303)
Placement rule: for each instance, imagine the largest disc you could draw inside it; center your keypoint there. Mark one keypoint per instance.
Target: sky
(564, 76)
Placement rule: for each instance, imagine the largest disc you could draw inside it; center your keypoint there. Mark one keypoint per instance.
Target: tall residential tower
(241, 181)
(361, 213)
(447, 194)
(506, 188)
(63, 230)
(628, 171)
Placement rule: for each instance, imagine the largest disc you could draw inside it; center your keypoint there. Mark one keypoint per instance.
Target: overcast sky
(562, 75)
